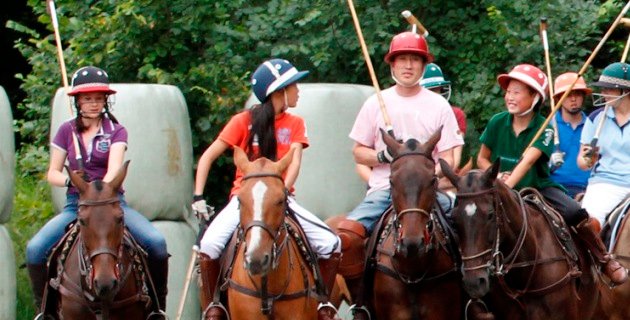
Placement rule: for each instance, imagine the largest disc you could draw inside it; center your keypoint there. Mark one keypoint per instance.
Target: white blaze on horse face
(470, 209)
(258, 194)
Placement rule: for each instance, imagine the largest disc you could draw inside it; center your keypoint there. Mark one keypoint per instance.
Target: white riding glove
(202, 210)
(557, 159)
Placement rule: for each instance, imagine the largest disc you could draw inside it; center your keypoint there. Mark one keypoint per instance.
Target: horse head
(101, 221)
(413, 186)
(476, 222)
(262, 204)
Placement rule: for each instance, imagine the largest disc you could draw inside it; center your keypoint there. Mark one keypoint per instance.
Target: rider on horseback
(507, 135)
(266, 130)
(415, 112)
(102, 142)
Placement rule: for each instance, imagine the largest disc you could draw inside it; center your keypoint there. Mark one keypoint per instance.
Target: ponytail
(263, 131)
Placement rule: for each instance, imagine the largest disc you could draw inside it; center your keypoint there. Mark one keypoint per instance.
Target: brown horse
(615, 304)
(269, 279)
(108, 282)
(511, 256)
(415, 275)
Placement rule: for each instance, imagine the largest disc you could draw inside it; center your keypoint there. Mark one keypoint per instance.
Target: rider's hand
(557, 158)
(590, 155)
(503, 176)
(384, 156)
(201, 209)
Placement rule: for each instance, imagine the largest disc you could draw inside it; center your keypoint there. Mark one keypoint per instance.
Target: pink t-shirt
(415, 117)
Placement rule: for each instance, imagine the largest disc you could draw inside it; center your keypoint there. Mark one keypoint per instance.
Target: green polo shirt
(499, 137)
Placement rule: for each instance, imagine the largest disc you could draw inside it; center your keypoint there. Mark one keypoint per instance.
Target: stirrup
(471, 301)
(42, 316)
(353, 308)
(158, 314)
(215, 305)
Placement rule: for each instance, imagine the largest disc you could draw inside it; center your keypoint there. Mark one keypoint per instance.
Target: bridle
(85, 257)
(497, 262)
(275, 234)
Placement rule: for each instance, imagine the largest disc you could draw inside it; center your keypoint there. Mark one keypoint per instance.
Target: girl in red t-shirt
(266, 130)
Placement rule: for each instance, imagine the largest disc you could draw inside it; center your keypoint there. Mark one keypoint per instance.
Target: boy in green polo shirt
(506, 137)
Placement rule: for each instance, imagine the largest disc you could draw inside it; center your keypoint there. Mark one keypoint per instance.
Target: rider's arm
(55, 174)
(115, 160)
(205, 162)
(446, 155)
(527, 162)
(294, 168)
(364, 155)
(483, 158)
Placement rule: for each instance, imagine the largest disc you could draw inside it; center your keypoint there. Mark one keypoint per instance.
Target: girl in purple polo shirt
(102, 142)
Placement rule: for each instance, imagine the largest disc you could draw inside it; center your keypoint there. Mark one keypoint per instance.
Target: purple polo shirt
(96, 154)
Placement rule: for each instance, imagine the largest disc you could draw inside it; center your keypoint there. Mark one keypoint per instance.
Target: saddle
(614, 223)
(56, 272)
(559, 227)
(296, 233)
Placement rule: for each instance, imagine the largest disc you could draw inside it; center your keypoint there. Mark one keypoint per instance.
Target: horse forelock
(412, 144)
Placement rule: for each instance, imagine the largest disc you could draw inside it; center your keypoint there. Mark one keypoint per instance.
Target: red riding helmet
(528, 74)
(409, 42)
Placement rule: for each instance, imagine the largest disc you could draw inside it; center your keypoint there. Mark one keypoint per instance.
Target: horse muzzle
(477, 286)
(257, 264)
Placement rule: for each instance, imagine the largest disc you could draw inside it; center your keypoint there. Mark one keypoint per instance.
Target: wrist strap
(197, 197)
(68, 182)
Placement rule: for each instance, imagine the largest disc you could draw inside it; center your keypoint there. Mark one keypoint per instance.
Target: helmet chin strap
(532, 107)
(417, 83)
(100, 115)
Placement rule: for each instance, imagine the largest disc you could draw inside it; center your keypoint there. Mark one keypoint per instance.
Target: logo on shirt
(548, 136)
(284, 136)
(103, 145)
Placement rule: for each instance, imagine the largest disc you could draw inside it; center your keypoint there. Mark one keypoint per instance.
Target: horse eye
(120, 219)
(280, 203)
(82, 221)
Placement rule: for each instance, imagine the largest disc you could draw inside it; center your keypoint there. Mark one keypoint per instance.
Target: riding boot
(352, 234)
(159, 275)
(611, 267)
(328, 269)
(39, 277)
(209, 276)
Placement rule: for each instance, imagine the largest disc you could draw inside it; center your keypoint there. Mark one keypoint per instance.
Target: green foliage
(208, 49)
(32, 208)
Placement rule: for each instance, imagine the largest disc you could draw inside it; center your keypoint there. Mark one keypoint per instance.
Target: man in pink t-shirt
(415, 113)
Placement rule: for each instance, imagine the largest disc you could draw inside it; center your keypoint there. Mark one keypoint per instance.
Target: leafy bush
(208, 49)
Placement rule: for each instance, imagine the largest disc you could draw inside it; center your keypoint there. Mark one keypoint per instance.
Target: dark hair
(80, 126)
(263, 131)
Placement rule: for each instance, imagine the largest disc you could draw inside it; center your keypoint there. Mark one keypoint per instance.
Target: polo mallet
(580, 73)
(368, 62)
(64, 76)
(554, 124)
(600, 125)
(415, 22)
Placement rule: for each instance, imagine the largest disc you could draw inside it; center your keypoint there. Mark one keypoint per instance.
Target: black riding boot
(39, 276)
(159, 275)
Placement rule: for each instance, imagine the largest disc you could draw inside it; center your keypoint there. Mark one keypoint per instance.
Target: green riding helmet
(614, 76)
(434, 78)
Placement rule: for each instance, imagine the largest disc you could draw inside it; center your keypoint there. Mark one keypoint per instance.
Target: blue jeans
(40, 246)
(369, 211)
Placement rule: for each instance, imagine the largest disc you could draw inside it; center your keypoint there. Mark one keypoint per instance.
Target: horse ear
(240, 158)
(391, 143)
(429, 146)
(77, 180)
(120, 176)
(448, 173)
(492, 172)
(283, 163)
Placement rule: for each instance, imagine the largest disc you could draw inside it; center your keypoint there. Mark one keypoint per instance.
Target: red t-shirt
(461, 119)
(289, 129)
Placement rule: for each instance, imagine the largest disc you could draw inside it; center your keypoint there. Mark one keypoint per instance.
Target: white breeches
(601, 198)
(323, 240)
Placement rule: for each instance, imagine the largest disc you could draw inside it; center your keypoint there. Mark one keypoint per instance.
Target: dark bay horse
(270, 278)
(415, 274)
(99, 275)
(614, 303)
(511, 257)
